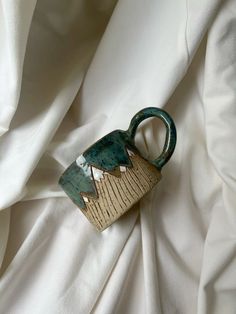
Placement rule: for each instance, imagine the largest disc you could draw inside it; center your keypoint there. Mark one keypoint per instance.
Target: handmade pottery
(111, 175)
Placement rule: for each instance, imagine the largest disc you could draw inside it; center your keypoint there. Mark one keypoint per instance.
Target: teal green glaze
(73, 181)
(110, 152)
(171, 137)
(106, 154)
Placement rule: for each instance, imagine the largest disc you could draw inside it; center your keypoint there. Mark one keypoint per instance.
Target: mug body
(111, 175)
(109, 178)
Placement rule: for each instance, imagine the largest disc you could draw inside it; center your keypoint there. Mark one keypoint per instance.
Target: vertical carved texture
(119, 194)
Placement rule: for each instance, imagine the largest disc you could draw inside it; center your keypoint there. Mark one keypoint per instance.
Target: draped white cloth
(70, 72)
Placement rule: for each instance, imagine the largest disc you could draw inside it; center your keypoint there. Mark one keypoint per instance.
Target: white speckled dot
(130, 152)
(81, 163)
(122, 169)
(97, 174)
(85, 199)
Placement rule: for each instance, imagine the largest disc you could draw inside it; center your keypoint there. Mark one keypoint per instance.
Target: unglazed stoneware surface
(111, 175)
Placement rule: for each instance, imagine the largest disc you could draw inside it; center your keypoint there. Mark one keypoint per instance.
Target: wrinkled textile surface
(70, 72)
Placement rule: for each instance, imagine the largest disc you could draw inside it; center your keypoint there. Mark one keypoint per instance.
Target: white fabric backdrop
(71, 71)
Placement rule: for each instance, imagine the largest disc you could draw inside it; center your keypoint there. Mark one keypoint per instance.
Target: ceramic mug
(112, 175)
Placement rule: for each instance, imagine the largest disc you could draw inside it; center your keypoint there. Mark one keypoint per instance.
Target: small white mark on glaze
(122, 169)
(85, 199)
(130, 152)
(81, 162)
(97, 174)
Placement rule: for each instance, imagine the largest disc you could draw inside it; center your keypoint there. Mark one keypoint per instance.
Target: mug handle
(170, 140)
